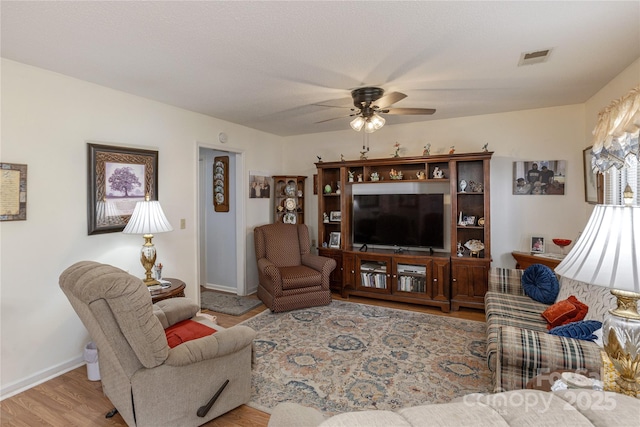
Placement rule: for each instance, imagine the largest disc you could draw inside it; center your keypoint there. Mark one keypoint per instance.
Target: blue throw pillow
(582, 330)
(540, 283)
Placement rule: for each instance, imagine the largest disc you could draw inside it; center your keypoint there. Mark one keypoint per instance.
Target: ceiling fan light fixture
(374, 123)
(357, 123)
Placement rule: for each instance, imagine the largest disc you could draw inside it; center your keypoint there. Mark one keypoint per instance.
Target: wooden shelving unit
(443, 280)
(288, 200)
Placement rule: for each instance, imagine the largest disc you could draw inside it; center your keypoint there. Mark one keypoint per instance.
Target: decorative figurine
(359, 177)
(394, 174)
(461, 220)
(338, 188)
(159, 271)
(459, 249)
(463, 185)
(427, 150)
(319, 159)
(397, 147)
(421, 175)
(363, 155)
(341, 157)
(325, 217)
(375, 176)
(485, 147)
(327, 189)
(351, 173)
(437, 173)
(452, 150)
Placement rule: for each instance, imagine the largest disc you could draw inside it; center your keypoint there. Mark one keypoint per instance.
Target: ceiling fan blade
(335, 118)
(389, 99)
(409, 111)
(336, 103)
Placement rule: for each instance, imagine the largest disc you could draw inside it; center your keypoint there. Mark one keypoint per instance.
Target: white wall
(47, 119)
(547, 134)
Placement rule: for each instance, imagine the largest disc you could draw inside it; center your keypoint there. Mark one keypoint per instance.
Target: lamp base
(148, 259)
(621, 335)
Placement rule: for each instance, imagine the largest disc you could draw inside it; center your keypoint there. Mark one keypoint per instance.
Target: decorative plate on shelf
(219, 198)
(474, 245)
(290, 218)
(290, 190)
(290, 204)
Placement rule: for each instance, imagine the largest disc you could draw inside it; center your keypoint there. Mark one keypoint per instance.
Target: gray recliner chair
(149, 383)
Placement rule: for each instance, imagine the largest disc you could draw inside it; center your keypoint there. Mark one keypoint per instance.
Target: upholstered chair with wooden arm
(290, 277)
(149, 383)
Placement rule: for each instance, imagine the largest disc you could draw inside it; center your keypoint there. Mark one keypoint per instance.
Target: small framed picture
(334, 240)
(335, 216)
(537, 245)
(470, 220)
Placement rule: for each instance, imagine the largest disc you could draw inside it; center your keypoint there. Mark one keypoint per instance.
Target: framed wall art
(13, 192)
(119, 177)
(221, 184)
(539, 177)
(259, 185)
(593, 182)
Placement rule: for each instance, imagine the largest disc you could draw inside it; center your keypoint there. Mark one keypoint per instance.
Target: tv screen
(415, 220)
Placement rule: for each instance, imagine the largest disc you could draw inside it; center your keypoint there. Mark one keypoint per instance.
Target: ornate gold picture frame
(119, 177)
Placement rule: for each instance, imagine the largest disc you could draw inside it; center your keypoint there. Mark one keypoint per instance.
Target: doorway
(221, 265)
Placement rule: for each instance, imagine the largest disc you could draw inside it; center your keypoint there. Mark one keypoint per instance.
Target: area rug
(227, 304)
(347, 356)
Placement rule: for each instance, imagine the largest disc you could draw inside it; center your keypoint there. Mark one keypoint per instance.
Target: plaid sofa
(518, 343)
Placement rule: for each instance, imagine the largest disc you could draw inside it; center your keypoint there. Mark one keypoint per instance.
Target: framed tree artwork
(119, 177)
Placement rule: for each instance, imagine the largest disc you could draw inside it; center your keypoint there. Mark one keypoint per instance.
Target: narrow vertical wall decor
(221, 184)
(13, 192)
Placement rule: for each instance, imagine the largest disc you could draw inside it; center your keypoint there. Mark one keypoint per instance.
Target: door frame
(240, 205)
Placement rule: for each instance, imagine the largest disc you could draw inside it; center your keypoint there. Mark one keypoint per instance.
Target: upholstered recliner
(290, 277)
(149, 383)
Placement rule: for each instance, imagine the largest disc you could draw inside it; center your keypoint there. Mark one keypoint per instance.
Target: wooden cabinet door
(469, 282)
(335, 279)
(348, 271)
(373, 273)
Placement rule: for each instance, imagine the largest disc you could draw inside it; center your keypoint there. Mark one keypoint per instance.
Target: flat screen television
(407, 220)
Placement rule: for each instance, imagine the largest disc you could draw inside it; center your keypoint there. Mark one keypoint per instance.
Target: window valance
(616, 134)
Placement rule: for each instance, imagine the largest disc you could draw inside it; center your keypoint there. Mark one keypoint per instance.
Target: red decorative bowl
(562, 242)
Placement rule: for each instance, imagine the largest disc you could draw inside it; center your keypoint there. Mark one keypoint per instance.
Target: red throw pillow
(186, 330)
(556, 314)
(580, 314)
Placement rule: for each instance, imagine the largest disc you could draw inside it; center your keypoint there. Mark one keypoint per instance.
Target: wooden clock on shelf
(288, 198)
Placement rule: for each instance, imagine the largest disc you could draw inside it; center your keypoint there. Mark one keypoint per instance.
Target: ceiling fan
(370, 102)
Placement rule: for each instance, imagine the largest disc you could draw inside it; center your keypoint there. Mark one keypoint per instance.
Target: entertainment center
(408, 229)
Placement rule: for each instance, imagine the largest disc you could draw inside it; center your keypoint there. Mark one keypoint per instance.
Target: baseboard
(228, 289)
(40, 377)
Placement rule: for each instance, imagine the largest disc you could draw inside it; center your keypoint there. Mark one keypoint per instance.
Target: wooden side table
(175, 290)
(525, 259)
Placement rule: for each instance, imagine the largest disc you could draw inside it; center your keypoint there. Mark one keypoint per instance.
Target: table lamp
(608, 254)
(148, 219)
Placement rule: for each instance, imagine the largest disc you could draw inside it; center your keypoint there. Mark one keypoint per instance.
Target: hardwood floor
(72, 400)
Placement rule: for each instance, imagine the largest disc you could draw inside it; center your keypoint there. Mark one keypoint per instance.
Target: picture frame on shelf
(119, 177)
(470, 220)
(537, 245)
(593, 181)
(335, 216)
(334, 240)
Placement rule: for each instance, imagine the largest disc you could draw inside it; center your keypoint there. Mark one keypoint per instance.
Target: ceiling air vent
(530, 58)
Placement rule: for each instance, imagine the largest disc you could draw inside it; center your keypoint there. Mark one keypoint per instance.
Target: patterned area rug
(346, 356)
(227, 304)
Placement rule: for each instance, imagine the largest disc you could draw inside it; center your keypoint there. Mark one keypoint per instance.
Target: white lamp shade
(608, 250)
(147, 218)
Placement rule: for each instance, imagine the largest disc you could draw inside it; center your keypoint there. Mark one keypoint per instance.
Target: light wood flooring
(72, 400)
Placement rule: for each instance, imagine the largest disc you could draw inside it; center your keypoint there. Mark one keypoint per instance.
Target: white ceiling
(265, 64)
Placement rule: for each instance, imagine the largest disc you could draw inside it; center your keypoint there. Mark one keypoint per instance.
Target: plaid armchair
(290, 277)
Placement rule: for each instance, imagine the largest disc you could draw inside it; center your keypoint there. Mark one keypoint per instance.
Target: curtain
(616, 134)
